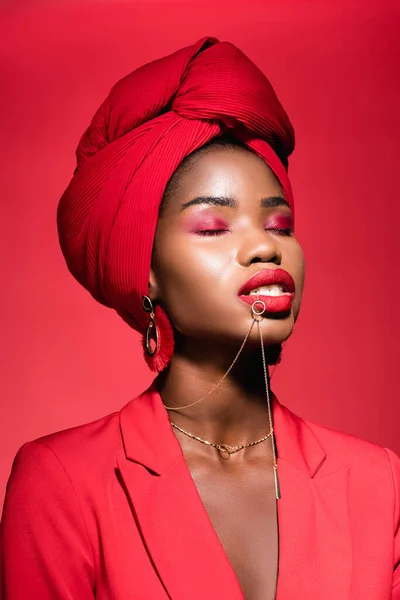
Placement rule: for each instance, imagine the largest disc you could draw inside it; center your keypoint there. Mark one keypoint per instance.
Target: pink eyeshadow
(198, 223)
(279, 222)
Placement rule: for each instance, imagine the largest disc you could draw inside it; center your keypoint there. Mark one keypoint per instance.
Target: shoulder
(356, 451)
(82, 441)
(375, 469)
(87, 454)
(81, 452)
(86, 451)
(65, 471)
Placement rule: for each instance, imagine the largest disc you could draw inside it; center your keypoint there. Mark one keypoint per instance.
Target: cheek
(187, 268)
(299, 267)
(296, 266)
(190, 289)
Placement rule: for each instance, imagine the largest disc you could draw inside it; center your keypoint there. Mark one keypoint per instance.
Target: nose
(258, 246)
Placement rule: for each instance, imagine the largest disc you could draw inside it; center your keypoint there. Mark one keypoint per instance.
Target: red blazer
(109, 510)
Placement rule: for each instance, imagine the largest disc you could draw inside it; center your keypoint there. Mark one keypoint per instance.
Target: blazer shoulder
(352, 448)
(89, 450)
(87, 437)
(86, 446)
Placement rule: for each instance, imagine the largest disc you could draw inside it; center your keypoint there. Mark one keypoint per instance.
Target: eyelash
(211, 232)
(285, 231)
(215, 232)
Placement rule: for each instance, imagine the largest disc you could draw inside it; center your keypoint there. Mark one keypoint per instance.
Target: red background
(335, 66)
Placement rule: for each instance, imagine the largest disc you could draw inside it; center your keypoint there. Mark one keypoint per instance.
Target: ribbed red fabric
(152, 119)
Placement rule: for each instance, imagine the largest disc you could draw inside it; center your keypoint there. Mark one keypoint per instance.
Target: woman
(180, 217)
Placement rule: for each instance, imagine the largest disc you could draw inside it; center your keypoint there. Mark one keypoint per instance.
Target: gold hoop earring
(151, 331)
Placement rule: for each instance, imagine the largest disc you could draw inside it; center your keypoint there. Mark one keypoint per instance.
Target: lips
(266, 277)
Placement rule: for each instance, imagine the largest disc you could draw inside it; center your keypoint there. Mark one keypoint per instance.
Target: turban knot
(152, 119)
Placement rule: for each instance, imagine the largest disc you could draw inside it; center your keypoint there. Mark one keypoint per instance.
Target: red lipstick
(274, 304)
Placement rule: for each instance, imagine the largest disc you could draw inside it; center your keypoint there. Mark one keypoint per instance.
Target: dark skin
(203, 252)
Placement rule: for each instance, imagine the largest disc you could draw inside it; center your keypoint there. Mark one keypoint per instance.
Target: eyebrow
(268, 202)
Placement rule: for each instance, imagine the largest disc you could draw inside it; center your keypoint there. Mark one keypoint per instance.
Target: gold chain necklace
(224, 449)
(177, 408)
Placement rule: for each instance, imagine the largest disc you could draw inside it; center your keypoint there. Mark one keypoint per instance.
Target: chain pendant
(223, 451)
(277, 486)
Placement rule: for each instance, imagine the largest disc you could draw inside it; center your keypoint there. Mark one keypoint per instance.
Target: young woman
(180, 217)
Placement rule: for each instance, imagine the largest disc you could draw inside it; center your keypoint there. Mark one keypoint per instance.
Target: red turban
(152, 119)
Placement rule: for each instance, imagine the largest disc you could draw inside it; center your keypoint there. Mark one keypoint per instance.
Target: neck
(236, 412)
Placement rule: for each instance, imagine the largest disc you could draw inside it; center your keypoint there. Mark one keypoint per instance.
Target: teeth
(268, 290)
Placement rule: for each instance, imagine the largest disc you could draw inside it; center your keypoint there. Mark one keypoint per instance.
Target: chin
(276, 329)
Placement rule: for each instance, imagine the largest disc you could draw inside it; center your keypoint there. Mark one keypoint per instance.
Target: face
(226, 221)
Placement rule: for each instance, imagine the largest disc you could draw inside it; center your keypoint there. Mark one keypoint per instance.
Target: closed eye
(286, 231)
(211, 232)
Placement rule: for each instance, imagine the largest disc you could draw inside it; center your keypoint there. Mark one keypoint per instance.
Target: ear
(153, 285)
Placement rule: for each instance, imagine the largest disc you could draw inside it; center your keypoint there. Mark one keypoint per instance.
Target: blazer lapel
(315, 545)
(315, 558)
(177, 532)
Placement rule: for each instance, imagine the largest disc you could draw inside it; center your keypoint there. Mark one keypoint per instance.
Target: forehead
(227, 172)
